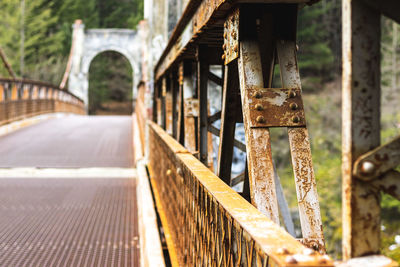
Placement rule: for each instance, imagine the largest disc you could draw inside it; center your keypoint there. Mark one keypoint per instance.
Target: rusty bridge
(153, 189)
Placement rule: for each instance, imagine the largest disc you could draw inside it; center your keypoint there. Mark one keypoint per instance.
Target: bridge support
(90, 43)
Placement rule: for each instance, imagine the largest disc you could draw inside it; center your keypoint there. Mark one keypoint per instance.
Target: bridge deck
(70, 142)
(74, 221)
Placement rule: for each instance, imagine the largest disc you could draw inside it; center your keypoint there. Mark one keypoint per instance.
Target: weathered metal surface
(203, 68)
(259, 157)
(229, 110)
(209, 224)
(389, 8)
(191, 107)
(361, 126)
(389, 183)
(70, 142)
(275, 107)
(198, 16)
(378, 161)
(300, 148)
(231, 37)
(68, 222)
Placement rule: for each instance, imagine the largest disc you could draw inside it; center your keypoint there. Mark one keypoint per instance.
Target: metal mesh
(68, 222)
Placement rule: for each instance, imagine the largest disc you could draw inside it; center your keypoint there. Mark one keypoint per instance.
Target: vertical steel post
(163, 103)
(229, 110)
(361, 125)
(203, 68)
(174, 88)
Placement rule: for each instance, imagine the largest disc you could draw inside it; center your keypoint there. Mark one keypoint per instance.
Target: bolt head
(259, 107)
(260, 119)
(292, 94)
(296, 119)
(257, 95)
(368, 167)
(293, 106)
(169, 172)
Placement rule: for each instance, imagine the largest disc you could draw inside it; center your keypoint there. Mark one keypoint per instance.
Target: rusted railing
(207, 223)
(21, 98)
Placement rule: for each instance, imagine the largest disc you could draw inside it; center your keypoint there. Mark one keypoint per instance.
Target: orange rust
(207, 220)
(275, 106)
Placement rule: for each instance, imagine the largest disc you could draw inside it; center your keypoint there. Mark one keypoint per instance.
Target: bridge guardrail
(21, 98)
(206, 222)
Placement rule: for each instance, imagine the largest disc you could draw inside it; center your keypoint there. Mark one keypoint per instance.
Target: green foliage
(110, 78)
(47, 27)
(315, 55)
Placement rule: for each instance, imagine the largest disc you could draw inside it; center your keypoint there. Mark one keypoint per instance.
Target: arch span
(90, 43)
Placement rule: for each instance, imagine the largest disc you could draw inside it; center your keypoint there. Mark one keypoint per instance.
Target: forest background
(36, 37)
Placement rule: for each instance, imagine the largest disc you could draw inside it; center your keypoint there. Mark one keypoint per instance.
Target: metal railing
(207, 223)
(21, 98)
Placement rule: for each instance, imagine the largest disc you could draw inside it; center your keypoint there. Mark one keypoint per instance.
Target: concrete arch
(88, 44)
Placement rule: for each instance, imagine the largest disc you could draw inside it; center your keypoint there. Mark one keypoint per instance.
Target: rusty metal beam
(378, 161)
(361, 125)
(230, 104)
(259, 157)
(203, 69)
(389, 8)
(300, 148)
(198, 16)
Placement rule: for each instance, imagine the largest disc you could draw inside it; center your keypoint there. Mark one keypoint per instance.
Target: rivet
(296, 119)
(259, 107)
(293, 106)
(223, 57)
(368, 167)
(169, 172)
(290, 259)
(283, 251)
(260, 119)
(257, 95)
(236, 48)
(292, 94)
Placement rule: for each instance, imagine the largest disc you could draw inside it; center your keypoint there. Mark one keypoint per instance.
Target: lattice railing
(207, 223)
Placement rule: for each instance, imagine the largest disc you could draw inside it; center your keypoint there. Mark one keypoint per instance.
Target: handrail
(208, 221)
(38, 83)
(22, 98)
